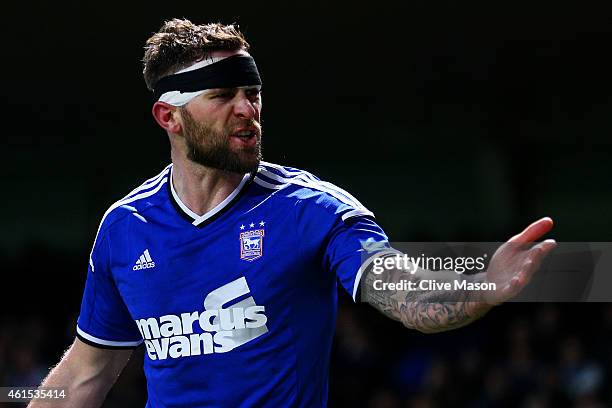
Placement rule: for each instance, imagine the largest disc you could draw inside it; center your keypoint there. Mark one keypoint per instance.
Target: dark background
(452, 121)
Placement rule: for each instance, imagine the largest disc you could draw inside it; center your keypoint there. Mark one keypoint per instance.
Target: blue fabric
(239, 311)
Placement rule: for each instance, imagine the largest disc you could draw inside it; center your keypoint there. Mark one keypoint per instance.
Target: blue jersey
(236, 307)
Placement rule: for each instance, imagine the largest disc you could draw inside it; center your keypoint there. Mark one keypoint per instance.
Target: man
(226, 266)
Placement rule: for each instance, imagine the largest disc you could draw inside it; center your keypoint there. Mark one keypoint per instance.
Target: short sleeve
(342, 230)
(351, 247)
(104, 320)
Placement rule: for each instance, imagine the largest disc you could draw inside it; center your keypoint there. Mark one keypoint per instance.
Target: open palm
(515, 262)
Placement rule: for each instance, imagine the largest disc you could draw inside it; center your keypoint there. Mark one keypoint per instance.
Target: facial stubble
(211, 148)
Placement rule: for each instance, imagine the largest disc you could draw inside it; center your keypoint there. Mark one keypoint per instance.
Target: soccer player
(226, 266)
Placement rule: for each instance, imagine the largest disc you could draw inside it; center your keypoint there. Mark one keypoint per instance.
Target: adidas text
(143, 266)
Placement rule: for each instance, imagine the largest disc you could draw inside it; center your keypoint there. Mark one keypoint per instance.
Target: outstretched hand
(515, 262)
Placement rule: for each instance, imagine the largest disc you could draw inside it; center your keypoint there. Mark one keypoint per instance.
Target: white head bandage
(177, 98)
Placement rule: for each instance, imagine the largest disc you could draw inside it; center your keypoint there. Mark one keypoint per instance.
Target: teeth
(244, 133)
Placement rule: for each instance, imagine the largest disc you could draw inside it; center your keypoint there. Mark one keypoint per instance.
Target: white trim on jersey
(308, 177)
(357, 213)
(366, 265)
(269, 185)
(148, 183)
(198, 219)
(103, 342)
(282, 169)
(160, 180)
(304, 180)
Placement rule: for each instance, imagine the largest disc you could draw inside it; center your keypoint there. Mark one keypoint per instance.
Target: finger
(534, 231)
(522, 279)
(543, 248)
(538, 252)
(512, 288)
(531, 265)
(534, 259)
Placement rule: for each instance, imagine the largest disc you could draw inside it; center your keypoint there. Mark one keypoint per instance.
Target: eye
(222, 95)
(253, 93)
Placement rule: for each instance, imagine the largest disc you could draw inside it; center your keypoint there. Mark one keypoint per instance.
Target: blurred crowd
(30, 347)
(519, 355)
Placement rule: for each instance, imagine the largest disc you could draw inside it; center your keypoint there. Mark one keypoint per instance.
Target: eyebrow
(247, 87)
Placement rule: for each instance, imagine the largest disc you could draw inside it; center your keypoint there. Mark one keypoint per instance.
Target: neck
(199, 187)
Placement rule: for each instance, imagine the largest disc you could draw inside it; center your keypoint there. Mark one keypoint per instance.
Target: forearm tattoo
(426, 311)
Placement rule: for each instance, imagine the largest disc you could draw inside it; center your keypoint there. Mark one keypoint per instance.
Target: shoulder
(309, 190)
(136, 201)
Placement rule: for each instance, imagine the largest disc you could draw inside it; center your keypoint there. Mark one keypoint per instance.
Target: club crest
(251, 244)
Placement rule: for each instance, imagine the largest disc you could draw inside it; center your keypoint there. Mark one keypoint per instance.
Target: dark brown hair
(179, 43)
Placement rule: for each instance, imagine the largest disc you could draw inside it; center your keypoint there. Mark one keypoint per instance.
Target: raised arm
(87, 373)
(510, 269)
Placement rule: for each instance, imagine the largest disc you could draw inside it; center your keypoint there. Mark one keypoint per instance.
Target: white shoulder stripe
(269, 185)
(286, 173)
(150, 182)
(159, 175)
(306, 176)
(357, 213)
(329, 188)
(340, 190)
(282, 169)
(103, 342)
(124, 201)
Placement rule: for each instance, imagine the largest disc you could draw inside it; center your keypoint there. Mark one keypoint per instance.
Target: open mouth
(245, 137)
(245, 134)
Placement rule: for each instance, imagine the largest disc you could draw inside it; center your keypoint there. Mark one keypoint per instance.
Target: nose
(244, 108)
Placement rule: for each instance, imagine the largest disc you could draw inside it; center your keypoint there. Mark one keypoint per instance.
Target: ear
(166, 116)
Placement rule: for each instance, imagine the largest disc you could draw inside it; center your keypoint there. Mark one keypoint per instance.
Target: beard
(211, 148)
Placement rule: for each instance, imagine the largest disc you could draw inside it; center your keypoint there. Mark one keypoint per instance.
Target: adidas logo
(144, 262)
